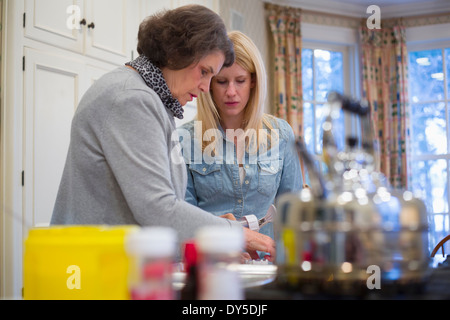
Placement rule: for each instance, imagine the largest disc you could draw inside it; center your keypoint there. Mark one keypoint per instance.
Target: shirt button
(247, 182)
(239, 201)
(247, 166)
(204, 169)
(272, 168)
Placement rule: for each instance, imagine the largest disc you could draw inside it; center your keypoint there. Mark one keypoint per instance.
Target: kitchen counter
(435, 287)
(260, 283)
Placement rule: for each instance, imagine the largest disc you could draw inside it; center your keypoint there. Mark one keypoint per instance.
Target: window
(429, 88)
(324, 69)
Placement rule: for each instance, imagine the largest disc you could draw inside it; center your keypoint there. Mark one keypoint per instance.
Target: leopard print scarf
(154, 78)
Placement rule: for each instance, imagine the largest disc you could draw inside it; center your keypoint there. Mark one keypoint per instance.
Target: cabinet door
(52, 88)
(56, 22)
(112, 27)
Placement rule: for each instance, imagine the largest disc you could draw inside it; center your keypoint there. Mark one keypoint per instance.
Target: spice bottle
(190, 289)
(219, 250)
(151, 252)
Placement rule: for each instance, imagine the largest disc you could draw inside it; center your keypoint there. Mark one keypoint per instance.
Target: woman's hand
(255, 241)
(245, 257)
(229, 216)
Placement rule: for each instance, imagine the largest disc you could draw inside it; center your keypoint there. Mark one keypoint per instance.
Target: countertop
(436, 286)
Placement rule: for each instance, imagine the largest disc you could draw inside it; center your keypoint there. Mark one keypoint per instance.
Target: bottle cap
(214, 239)
(152, 241)
(190, 254)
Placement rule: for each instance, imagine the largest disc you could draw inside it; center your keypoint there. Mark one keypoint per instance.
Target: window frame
(442, 45)
(423, 38)
(335, 38)
(345, 40)
(349, 121)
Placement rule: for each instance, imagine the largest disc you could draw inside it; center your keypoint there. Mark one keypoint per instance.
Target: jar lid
(214, 239)
(152, 241)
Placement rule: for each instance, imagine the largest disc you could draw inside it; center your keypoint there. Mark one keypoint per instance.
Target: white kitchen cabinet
(102, 29)
(52, 90)
(46, 21)
(112, 28)
(53, 86)
(48, 65)
(47, 69)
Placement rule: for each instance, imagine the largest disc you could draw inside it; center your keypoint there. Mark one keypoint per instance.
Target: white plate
(251, 275)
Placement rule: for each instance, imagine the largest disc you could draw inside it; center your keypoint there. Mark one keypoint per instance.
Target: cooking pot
(349, 231)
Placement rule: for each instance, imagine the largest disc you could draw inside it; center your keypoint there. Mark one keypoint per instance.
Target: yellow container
(76, 263)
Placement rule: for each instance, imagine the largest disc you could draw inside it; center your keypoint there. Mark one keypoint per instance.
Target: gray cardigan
(124, 164)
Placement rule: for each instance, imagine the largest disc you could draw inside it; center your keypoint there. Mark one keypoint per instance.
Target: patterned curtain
(385, 86)
(1, 51)
(285, 26)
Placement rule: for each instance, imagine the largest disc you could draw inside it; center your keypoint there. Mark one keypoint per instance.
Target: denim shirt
(214, 183)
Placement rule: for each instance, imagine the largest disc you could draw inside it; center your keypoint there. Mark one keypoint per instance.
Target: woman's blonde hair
(249, 58)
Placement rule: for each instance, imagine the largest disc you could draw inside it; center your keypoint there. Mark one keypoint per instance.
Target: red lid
(190, 254)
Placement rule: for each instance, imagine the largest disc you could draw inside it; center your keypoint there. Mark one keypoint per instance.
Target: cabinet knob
(83, 22)
(91, 26)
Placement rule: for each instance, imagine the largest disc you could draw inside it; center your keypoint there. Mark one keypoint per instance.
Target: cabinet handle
(91, 26)
(83, 22)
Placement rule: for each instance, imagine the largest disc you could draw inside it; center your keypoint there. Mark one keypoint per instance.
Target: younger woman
(238, 158)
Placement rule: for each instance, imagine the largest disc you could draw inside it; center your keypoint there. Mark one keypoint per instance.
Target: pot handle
(440, 244)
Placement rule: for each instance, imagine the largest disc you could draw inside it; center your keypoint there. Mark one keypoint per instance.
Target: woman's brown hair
(177, 38)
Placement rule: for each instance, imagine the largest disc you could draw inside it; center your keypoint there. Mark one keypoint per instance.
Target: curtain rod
(418, 16)
(331, 15)
(269, 4)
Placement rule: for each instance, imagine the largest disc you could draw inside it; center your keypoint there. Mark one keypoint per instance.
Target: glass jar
(152, 251)
(219, 252)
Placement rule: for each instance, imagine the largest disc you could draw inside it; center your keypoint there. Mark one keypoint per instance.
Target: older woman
(239, 159)
(120, 168)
